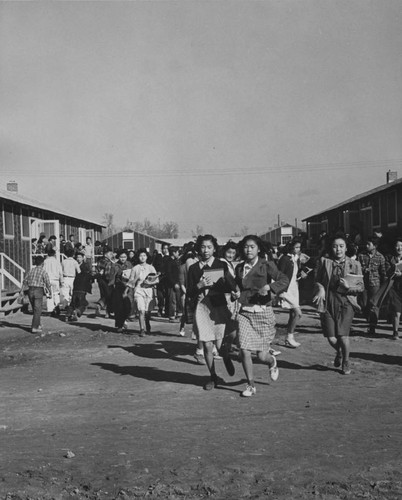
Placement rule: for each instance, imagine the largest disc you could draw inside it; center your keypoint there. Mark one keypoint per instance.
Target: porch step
(8, 303)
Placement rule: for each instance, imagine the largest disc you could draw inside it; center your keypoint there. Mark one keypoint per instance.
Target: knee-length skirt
(256, 329)
(210, 321)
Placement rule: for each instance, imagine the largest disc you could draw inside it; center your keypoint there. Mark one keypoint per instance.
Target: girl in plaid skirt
(256, 278)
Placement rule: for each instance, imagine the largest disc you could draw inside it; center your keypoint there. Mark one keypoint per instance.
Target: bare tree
(108, 222)
(168, 229)
(243, 231)
(197, 231)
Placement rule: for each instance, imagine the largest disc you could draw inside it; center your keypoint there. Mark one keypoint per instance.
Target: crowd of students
(227, 294)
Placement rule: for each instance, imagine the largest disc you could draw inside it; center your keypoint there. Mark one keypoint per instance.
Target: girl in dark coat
(208, 281)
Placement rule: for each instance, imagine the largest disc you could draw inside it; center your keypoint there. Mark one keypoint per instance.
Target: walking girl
(393, 266)
(289, 264)
(208, 280)
(143, 278)
(121, 272)
(256, 279)
(338, 283)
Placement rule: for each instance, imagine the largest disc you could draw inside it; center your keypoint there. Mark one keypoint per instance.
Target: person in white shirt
(70, 269)
(53, 268)
(143, 290)
(89, 252)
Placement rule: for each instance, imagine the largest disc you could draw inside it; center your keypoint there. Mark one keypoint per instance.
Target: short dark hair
(230, 245)
(205, 237)
(69, 252)
(254, 238)
(39, 260)
(72, 236)
(51, 252)
(173, 249)
(53, 237)
(375, 240)
(292, 243)
(143, 250)
(338, 236)
(121, 252)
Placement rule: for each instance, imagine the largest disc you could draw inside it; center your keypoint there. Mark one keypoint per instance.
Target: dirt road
(89, 413)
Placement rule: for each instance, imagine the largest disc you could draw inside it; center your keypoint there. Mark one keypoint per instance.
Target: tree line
(168, 230)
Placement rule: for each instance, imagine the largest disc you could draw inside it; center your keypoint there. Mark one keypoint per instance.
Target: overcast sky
(221, 114)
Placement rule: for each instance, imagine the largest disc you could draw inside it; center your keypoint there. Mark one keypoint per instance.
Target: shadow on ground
(386, 359)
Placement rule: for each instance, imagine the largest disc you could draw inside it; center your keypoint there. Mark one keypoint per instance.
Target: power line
(320, 167)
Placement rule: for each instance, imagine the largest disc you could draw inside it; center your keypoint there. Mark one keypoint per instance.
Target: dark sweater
(83, 280)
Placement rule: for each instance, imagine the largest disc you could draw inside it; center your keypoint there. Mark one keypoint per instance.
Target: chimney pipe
(391, 176)
(12, 186)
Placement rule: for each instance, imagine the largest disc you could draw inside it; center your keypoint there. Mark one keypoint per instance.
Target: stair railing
(20, 271)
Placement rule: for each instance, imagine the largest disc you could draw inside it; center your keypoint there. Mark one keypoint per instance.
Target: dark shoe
(228, 363)
(395, 336)
(142, 333)
(200, 359)
(119, 330)
(213, 382)
(338, 360)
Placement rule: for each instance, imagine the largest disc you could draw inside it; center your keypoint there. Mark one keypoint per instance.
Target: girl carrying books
(393, 266)
(208, 281)
(338, 281)
(143, 279)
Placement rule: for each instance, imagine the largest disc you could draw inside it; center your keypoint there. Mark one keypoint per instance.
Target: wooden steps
(11, 279)
(9, 303)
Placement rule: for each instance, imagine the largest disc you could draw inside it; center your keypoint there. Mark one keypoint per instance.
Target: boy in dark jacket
(82, 286)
